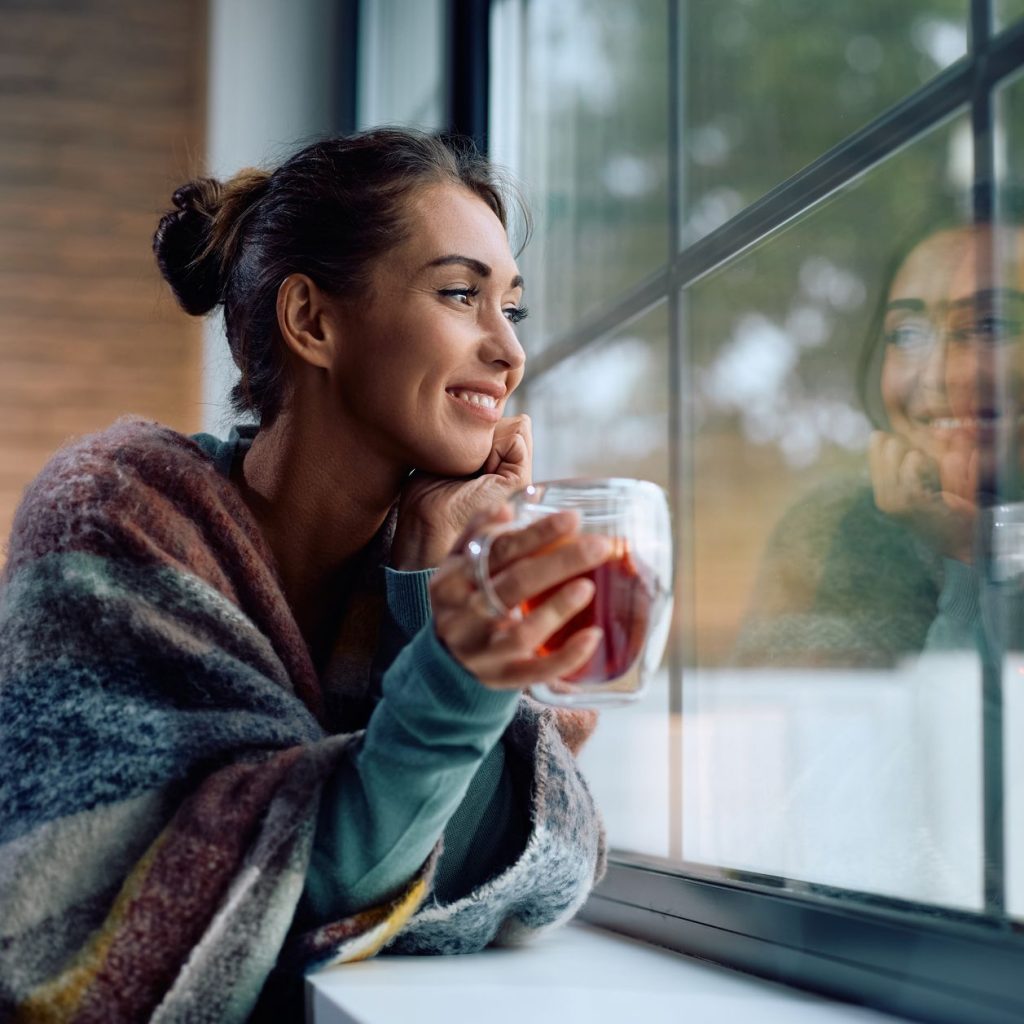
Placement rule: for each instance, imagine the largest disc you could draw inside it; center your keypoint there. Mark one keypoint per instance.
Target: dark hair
(330, 212)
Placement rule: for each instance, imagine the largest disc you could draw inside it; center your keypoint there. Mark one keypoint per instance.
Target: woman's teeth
(962, 422)
(475, 398)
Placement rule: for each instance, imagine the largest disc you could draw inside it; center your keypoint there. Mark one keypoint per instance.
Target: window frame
(897, 956)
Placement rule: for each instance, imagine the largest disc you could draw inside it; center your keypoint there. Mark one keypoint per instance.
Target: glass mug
(633, 589)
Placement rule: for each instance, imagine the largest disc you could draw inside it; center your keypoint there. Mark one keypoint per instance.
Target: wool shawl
(164, 737)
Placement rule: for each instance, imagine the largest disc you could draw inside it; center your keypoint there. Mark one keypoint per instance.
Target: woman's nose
(502, 345)
(970, 377)
(932, 375)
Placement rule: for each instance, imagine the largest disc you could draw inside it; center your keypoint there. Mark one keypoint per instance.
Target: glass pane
(832, 710)
(1009, 260)
(594, 154)
(770, 85)
(1007, 11)
(604, 412)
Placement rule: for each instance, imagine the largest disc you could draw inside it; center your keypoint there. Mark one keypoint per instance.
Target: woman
(951, 385)
(863, 573)
(238, 743)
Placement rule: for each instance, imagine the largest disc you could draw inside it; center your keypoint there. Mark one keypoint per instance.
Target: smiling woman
(288, 741)
(428, 378)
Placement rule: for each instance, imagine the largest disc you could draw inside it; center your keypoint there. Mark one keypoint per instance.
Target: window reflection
(856, 395)
(782, 344)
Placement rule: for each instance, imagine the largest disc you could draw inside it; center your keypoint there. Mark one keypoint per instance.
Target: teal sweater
(430, 762)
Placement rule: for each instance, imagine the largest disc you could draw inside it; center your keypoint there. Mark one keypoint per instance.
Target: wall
(102, 116)
(274, 83)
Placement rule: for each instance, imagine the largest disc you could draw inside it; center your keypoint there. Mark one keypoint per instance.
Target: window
(763, 234)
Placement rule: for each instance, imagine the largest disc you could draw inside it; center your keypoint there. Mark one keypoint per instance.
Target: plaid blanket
(163, 740)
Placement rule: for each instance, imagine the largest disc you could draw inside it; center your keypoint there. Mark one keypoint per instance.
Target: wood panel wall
(102, 107)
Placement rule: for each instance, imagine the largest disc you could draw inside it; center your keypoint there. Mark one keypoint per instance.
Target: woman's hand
(545, 556)
(435, 510)
(937, 499)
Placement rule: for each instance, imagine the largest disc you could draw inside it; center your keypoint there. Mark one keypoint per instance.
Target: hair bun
(182, 244)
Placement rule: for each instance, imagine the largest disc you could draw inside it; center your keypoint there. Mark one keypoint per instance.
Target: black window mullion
(346, 81)
(679, 428)
(983, 210)
(468, 65)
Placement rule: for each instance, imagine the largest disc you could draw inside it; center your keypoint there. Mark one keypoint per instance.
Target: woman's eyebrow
(478, 268)
(914, 305)
(992, 296)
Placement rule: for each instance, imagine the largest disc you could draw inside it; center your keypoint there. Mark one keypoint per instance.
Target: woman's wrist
(416, 548)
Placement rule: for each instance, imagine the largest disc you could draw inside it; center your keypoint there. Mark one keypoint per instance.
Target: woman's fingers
(548, 668)
(884, 454)
(916, 479)
(515, 544)
(958, 471)
(546, 557)
(903, 478)
(527, 561)
(511, 453)
(503, 653)
(527, 577)
(546, 619)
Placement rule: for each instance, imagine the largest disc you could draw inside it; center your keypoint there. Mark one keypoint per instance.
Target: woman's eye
(994, 328)
(910, 337)
(516, 314)
(462, 295)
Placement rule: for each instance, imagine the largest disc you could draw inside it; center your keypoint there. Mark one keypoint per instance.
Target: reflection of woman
(950, 384)
(860, 575)
(233, 736)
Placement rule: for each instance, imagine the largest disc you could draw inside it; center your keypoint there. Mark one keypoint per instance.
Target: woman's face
(953, 367)
(429, 354)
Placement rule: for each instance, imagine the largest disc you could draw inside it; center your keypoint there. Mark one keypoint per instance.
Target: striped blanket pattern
(164, 737)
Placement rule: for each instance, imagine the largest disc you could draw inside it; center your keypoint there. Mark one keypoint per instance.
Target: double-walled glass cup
(633, 589)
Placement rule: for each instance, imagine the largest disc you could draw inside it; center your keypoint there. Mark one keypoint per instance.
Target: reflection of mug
(633, 588)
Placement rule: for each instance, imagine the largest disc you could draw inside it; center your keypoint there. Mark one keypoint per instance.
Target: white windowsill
(577, 974)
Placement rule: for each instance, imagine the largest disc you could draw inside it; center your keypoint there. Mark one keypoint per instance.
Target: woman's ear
(305, 320)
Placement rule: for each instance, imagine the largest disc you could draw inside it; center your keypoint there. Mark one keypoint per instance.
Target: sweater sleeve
(431, 749)
(491, 825)
(955, 627)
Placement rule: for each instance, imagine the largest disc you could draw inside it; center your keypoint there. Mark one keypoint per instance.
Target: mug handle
(479, 551)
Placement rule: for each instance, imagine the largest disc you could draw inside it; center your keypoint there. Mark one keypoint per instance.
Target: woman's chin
(454, 464)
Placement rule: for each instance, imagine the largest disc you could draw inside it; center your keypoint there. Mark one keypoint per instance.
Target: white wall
(272, 76)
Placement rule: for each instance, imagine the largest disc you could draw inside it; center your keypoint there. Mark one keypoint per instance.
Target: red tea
(621, 607)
